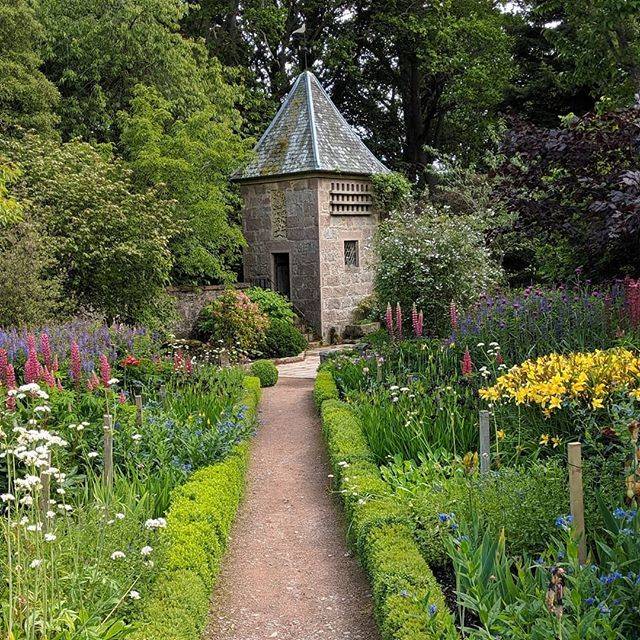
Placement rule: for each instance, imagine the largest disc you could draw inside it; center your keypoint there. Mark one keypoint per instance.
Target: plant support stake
(107, 475)
(576, 499)
(138, 400)
(485, 442)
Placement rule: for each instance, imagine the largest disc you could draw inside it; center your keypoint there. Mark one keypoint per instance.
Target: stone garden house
(308, 214)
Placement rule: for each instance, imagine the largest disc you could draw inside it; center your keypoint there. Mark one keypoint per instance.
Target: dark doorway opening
(281, 273)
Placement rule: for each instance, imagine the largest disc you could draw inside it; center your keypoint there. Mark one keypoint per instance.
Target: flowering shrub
(431, 258)
(234, 321)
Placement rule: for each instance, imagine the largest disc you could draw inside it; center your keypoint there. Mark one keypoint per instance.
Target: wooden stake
(576, 499)
(138, 400)
(107, 474)
(485, 442)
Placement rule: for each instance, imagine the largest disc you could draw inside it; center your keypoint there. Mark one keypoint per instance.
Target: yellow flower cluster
(550, 380)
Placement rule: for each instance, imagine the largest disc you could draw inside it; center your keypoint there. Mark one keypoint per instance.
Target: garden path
(288, 573)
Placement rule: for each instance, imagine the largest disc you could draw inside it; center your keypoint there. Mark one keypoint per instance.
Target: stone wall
(342, 286)
(189, 303)
(276, 223)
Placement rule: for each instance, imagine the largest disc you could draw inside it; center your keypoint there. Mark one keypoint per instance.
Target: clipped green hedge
(266, 371)
(198, 524)
(382, 529)
(325, 388)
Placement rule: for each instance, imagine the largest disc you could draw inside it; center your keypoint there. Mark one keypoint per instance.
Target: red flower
(389, 319)
(129, 361)
(4, 363)
(398, 321)
(48, 378)
(466, 363)
(122, 398)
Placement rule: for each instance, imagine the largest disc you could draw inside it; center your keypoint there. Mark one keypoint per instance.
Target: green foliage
(110, 242)
(431, 257)
(10, 209)
(324, 388)
(409, 604)
(266, 372)
(282, 339)
(391, 192)
(115, 48)
(191, 159)
(198, 526)
(27, 98)
(271, 303)
(516, 500)
(233, 321)
(601, 43)
(30, 292)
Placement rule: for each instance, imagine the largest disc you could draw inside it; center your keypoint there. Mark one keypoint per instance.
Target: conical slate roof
(309, 134)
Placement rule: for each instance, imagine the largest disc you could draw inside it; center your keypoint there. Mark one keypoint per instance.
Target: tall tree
(432, 74)
(101, 49)
(191, 160)
(27, 98)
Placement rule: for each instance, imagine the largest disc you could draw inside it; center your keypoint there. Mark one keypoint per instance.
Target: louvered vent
(348, 198)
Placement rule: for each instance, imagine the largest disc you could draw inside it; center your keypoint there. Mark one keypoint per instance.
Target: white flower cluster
(155, 523)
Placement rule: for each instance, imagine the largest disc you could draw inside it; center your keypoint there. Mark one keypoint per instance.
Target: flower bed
(409, 604)
(87, 475)
(198, 524)
(552, 368)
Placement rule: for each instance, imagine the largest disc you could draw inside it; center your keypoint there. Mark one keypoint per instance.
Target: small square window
(351, 258)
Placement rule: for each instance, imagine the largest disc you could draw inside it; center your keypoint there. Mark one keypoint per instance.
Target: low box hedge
(198, 524)
(409, 603)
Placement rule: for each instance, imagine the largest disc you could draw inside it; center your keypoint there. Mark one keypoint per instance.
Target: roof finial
(301, 32)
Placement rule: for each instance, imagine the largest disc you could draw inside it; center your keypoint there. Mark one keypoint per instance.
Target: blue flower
(603, 608)
(443, 517)
(590, 601)
(539, 561)
(620, 513)
(432, 609)
(564, 522)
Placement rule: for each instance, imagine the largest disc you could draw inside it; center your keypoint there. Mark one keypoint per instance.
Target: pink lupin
(398, 321)
(453, 315)
(389, 319)
(420, 324)
(466, 364)
(48, 378)
(105, 370)
(75, 366)
(4, 363)
(11, 384)
(32, 367)
(45, 349)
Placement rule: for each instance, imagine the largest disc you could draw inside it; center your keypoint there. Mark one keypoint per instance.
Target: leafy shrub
(575, 187)
(431, 257)
(282, 340)
(29, 293)
(272, 304)
(234, 321)
(409, 604)
(266, 371)
(324, 388)
(516, 500)
(390, 192)
(109, 241)
(198, 526)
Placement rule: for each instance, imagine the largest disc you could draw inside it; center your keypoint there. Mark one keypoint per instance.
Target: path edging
(381, 529)
(198, 524)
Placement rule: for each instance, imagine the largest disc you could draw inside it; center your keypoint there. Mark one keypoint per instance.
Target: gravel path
(288, 573)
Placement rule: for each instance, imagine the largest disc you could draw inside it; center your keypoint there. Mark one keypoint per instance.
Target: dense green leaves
(27, 98)
(110, 242)
(192, 158)
(100, 50)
